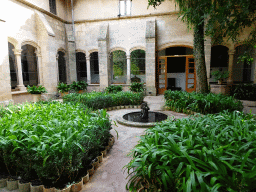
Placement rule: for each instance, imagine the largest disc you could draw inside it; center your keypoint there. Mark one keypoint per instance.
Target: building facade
(44, 42)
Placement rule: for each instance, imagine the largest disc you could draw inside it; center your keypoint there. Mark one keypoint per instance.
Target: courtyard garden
(55, 145)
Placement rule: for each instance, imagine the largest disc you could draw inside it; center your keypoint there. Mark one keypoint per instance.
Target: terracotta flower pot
(86, 178)
(114, 108)
(12, 184)
(122, 107)
(91, 171)
(36, 97)
(100, 158)
(81, 91)
(24, 187)
(96, 163)
(118, 107)
(3, 183)
(77, 186)
(135, 106)
(38, 188)
(67, 189)
(126, 106)
(130, 106)
(104, 153)
(53, 189)
(110, 108)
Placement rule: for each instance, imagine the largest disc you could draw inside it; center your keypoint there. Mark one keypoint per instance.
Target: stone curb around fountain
(122, 121)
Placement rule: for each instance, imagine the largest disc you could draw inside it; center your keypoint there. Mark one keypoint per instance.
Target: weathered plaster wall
(101, 9)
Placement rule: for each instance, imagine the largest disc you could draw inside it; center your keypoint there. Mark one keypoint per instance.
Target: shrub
(98, 100)
(202, 103)
(79, 85)
(50, 140)
(210, 153)
(36, 89)
(244, 91)
(137, 87)
(63, 87)
(113, 89)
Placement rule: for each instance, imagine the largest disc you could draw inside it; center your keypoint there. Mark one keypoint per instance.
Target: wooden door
(190, 74)
(162, 74)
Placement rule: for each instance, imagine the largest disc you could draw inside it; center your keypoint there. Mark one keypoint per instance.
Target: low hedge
(202, 103)
(98, 100)
(209, 153)
(51, 141)
(245, 91)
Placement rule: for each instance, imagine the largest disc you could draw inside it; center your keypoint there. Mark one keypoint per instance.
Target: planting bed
(214, 152)
(202, 103)
(50, 144)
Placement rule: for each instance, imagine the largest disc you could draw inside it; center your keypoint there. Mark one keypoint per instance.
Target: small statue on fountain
(144, 111)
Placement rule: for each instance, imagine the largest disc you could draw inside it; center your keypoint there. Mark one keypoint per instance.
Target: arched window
(119, 67)
(138, 73)
(62, 67)
(81, 69)
(94, 64)
(13, 69)
(29, 65)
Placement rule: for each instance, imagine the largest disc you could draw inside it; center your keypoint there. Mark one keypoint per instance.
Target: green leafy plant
(220, 75)
(63, 87)
(50, 141)
(36, 89)
(79, 85)
(202, 103)
(114, 88)
(209, 153)
(244, 91)
(135, 70)
(137, 87)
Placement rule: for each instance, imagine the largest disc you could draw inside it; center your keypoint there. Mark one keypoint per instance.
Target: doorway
(176, 73)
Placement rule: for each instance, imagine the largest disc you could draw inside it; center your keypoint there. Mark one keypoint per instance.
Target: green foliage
(50, 140)
(209, 153)
(137, 87)
(114, 88)
(119, 62)
(79, 85)
(135, 70)
(63, 87)
(244, 92)
(220, 75)
(202, 103)
(98, 100)
(36, 89)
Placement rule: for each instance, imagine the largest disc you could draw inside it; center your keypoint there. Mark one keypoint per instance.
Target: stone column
(20, 85)
(88, 67)
(39, 67)
(150, 58)
(128, 81)
(104, 60)
(207, 49)
(230, 66)
(57, 68)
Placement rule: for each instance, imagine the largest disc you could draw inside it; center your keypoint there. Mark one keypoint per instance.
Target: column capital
(57, 56)
(17, 51)
(231, 52)
(128, 56)
(88, 57)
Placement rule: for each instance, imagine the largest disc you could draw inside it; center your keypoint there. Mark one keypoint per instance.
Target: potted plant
(220, 76)
(63, 88)
(79, 86)
(36, 92)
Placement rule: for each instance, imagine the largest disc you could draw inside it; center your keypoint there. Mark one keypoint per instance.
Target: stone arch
(32, 43)
(136, 48)
(81, 51)
(118, 63)
(176, 44)
(118, 49)
(14, 42)
(62, 50)
(93, 50)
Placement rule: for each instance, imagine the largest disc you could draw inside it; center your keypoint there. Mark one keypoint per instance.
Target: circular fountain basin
(133, 119)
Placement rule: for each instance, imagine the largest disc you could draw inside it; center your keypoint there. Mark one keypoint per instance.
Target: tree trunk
(201, 85)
